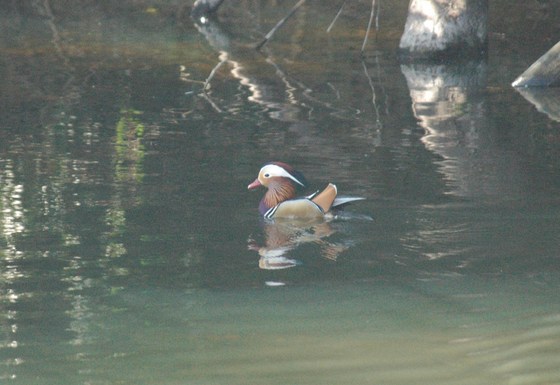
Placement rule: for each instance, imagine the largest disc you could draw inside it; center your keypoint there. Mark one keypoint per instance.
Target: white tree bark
(545, 72)
(436, 28)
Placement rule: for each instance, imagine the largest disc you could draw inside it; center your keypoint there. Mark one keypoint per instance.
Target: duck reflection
(283, 236)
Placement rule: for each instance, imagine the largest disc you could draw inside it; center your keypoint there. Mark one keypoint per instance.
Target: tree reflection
(68, 172)
(446, 101)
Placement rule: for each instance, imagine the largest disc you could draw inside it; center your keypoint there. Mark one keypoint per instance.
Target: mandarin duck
(280, 201)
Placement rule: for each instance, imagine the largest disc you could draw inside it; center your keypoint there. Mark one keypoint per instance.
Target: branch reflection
(245, 64)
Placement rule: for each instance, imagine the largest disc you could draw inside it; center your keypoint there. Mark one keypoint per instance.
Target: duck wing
(325, 198)
(295, 208)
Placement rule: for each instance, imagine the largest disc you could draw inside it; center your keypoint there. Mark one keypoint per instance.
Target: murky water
(131, 251)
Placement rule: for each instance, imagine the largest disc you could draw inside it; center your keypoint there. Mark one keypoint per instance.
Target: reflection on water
(445, 101)
(272, 89)
(283, 236)
(546, 100)
(124, 218)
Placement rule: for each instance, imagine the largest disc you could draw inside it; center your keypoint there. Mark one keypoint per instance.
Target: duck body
(280, 201)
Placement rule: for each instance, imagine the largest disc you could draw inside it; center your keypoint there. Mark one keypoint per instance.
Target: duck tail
(341, 201)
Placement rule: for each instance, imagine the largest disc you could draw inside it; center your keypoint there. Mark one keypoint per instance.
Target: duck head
(282, 182)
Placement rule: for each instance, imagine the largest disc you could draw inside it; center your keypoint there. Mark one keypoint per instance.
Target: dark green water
(131, 251)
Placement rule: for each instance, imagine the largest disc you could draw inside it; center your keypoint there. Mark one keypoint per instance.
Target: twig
(207, 85)
(336, 17)
(212, 73)
(377, 16)
(373, 94)
(372, 13)
(212, 103)
(279, 24)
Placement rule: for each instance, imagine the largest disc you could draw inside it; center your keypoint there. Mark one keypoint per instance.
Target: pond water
(131, 251)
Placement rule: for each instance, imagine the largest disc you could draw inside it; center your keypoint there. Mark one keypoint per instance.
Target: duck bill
(255, 184)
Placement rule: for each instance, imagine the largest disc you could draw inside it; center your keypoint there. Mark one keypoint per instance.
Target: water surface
(131, 251)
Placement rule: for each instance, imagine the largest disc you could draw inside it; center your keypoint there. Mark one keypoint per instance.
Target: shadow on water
(125, 222)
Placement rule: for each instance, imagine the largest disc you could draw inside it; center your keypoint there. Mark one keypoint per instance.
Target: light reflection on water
(132, 253)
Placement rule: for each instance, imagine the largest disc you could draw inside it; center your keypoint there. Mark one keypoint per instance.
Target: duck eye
(267, 175)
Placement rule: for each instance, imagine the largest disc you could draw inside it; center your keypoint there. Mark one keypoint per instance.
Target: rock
(204, 8)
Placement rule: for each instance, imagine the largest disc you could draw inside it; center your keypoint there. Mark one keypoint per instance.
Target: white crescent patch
(274, 170)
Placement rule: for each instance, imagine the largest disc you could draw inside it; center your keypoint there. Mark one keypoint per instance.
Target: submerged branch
(279, 24)
(212, 74)
(336, 17)
(373, 94)
(206, 86)
(212, 103)
(371, 15)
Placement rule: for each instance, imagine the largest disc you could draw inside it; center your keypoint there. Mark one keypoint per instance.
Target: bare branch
(373, 93)
(212, 74)
(336, 17)
(371, 15)
(279, 24)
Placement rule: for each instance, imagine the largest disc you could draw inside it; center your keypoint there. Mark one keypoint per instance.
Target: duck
(282, 182)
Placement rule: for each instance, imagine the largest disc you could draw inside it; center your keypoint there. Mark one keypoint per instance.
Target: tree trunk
(439, 29)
